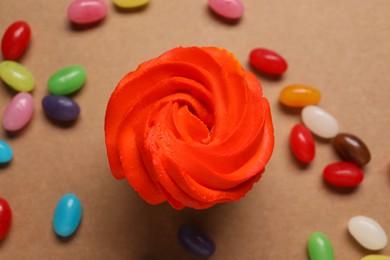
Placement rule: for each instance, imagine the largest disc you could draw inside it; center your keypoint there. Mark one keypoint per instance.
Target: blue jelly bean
(60, 108)
(195, 241)
(67, 215)
(5, 152)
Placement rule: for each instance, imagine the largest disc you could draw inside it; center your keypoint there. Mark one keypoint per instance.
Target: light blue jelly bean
(5, 152)
(67, 215)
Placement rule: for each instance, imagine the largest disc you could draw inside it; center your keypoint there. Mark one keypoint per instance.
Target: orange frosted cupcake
(190, 127)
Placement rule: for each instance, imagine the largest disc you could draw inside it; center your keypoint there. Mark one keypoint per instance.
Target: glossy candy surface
(352, 149)
(319, 121)
(19, 112)
(302, 143)
(5, 218)
(87, 11)
(343, 174)
(268, 61)
(367, 232)
(195, 241)
(298, 95)
(67, 80)
(15, 40)
(60, 108)
(16, 76)
(130, 3)
(67, 215)
(319, 247)
(376, 257)
(229, 9)
(6, 153)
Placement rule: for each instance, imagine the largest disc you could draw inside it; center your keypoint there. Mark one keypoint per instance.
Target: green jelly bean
(16, 76)
(67, 80)
(319, 247)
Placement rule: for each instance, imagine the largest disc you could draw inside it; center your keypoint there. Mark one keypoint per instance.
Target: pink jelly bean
(87, 11)
(19, 112)
(230, 9)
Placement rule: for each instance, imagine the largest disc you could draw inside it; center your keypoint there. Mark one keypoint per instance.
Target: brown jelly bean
(351, 149)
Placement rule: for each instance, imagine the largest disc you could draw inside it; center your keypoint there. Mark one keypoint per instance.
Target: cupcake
(190, 127)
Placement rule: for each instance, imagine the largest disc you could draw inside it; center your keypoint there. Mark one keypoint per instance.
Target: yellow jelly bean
(299, 95)
(130, 3)
(376, 257)
(16, 76)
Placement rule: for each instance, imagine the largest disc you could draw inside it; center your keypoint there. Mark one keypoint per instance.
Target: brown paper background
(341, 47)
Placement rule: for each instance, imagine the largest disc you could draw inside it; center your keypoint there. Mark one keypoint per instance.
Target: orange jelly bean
(298, 95)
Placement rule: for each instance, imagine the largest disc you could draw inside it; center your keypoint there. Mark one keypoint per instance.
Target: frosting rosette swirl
(190, 127)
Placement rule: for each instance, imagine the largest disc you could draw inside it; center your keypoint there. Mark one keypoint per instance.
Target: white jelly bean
(319, 121)
(367, 232)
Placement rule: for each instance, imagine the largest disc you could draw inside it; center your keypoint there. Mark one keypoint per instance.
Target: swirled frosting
(190, 127)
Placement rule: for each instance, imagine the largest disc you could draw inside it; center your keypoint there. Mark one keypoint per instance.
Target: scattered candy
(319, 121)
(195, 241)
(5, 218)
(16, 76)
(19, 112)
(352, 149)
(67, 215)
(267, 61)
(15, 40)
(67, 80)
(130, 3)
(6, 153)
(229, 9)
(87, 11)
(376, 257)
(343, 174)
(367, 232)
(302, 143)
(60, 108)
(319, 247)
(299, 96)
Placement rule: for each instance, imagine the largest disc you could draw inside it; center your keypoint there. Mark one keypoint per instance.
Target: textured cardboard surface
(340, 47)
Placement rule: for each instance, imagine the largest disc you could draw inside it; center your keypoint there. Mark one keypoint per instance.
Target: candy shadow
(264, 75)
(340, 190)
(289, 110)
(130, 10)
(222, 19)
(357, 246)
(3, 166)
(62, 124)
(83, 27)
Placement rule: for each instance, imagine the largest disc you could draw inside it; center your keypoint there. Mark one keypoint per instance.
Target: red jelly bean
(302, 143)
(15, 40)
(267, 61)
(5, 218)
(343, 174)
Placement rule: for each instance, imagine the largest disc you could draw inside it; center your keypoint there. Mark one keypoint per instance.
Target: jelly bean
(87, 11)
(5, 152)
(343, 174)
(267, 61)
(376, 257)
(130, 3)
(67, 215)
(319, 247)
(302, 143)
(351, 149)
(195, 241)
(60, 108)
(15, 40)
(319, 121)
(229, 9)
(5, 218)
(19, 112)
(299, 96)
(16, 76)
(367, 232)
(67, 80)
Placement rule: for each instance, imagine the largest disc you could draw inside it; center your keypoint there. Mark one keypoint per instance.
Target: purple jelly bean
(195, 241)
(60, 108)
